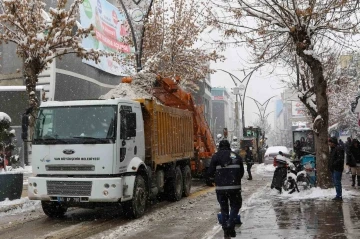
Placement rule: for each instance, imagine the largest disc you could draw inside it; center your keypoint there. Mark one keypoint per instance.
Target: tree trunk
(32, 70)
(321, 127)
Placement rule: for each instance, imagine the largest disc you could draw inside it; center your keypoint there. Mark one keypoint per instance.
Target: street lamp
(262, 107)
(137, 12)
(239, 89)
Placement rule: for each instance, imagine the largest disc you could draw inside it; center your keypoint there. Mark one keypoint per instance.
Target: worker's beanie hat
(333, 140)
(224, 144)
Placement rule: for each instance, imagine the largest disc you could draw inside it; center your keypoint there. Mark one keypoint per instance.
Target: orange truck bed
(169, 134)
(169, 93)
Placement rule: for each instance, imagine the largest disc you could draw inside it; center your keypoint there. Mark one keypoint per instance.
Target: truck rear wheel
(186, 175)
(175, 186)
(53, 209)
(135, 208)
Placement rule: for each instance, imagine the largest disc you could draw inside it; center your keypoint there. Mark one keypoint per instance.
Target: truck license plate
(68, 199)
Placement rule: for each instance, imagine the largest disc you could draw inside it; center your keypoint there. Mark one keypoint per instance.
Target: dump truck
(117, 151)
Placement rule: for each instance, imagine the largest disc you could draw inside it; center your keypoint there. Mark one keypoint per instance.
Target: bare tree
(172, 41)
(41, 35)
(296, 31)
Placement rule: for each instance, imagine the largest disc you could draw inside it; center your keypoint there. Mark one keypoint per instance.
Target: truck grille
(70, 168)
(69, 188)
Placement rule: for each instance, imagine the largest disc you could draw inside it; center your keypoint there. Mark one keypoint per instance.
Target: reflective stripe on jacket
(228, 169)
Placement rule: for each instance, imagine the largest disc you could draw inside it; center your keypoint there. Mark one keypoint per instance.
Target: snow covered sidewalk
(266, 214)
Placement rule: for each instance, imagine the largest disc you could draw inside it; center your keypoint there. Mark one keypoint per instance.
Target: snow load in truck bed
(139, 88)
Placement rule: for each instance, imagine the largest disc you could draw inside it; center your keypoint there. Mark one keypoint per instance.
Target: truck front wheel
(53, 209)
(135, 208)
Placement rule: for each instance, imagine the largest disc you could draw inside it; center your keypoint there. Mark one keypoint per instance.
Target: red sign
(218, 97)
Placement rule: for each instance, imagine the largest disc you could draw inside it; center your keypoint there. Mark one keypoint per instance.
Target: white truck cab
(86, 152)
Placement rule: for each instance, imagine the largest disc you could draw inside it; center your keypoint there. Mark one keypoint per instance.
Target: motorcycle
(285, 175)
(290, 175)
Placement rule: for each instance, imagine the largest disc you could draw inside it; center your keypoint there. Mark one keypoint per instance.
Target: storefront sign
(298, 109)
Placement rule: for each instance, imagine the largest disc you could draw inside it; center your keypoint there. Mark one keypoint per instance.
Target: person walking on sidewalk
(336, 164)
(348, 144)
(354, 162)
(249, 160)
(228, 168)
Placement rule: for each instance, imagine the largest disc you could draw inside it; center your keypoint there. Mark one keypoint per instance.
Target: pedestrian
(341, 144)
(297, 149)
(347, 153)
(336, 164)
(354, 162)
(228, 169)
(249, 160)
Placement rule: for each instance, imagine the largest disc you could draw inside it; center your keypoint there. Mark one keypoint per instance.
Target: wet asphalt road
(268, 217)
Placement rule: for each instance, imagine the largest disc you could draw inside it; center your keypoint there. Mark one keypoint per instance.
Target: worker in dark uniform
(249, 160)
(228, 168)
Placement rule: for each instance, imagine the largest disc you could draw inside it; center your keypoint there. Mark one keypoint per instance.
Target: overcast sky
(262, 85)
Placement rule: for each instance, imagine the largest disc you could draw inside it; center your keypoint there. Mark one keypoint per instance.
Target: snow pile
(18, 206)
(11, 170)
(264, 168)
(317, 193)
(139, 88)
(4, 116)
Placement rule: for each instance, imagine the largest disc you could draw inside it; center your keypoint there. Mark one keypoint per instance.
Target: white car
(272, 151)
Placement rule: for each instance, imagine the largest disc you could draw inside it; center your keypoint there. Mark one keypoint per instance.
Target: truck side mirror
(24, 127)
(130, 125)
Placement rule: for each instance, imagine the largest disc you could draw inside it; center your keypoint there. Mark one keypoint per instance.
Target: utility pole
(237, 128)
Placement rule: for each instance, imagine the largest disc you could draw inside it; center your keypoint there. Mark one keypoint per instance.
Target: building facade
(223, 111)
(66, 79)
(290, 114)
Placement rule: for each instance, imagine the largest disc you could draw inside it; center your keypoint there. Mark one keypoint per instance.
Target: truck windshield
(76, 124)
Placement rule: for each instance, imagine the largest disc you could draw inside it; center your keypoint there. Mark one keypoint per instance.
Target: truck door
(130, 136)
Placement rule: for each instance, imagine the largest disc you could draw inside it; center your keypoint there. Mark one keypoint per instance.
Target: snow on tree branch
(172, 42)
(301, 34)
(41, 36)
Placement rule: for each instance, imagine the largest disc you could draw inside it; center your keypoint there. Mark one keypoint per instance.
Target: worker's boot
(250, 176)
(353, 180)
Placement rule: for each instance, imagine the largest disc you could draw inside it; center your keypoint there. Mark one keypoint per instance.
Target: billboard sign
(298, 109)
(110, 27)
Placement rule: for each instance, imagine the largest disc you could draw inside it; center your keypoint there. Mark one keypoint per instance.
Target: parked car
(272, 151)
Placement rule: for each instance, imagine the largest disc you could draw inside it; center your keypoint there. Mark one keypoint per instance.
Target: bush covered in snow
(7, 136)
